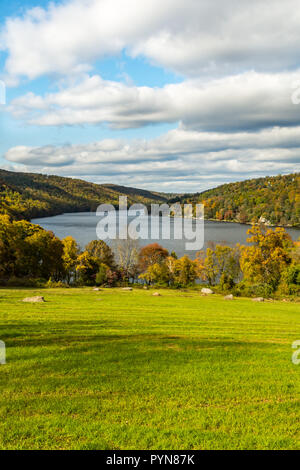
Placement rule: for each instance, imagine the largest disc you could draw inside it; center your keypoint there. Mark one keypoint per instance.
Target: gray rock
(206, 291)
(258, 299)
(228, 297)
(34, 299)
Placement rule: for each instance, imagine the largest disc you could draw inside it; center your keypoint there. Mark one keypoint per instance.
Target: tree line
(31, 195)
(275, 200)
(32, 256)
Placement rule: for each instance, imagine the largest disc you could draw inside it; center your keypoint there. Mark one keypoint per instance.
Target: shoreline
(294, 227)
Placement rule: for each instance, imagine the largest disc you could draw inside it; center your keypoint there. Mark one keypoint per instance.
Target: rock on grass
(206, 291)
(36, 299)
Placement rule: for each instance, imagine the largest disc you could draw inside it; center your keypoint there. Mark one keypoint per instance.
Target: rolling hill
(30, 195)
(273, 199)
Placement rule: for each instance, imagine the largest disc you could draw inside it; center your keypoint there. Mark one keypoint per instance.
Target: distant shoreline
(295, 227)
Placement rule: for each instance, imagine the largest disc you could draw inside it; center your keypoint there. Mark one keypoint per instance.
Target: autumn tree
(126, 254)
(87, 268)
(151, 254)
(207, 269)
(267, 257)
(290, 279)
(102, 274)
(70, 254)
(171, 272)
(27, 250)
(172, 265)
(185, 272)
(101, 251)
(45, 255)
(157, 274)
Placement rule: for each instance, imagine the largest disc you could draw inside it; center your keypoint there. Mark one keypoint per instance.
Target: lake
(82, 226)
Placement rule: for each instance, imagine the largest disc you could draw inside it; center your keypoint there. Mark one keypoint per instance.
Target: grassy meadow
(126, 370)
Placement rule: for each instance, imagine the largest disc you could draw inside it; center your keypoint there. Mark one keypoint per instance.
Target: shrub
(253, 290)
(24, 282)
(101, 276)
(226, 282)
(290, 282)
(55, 284)
(292, 275)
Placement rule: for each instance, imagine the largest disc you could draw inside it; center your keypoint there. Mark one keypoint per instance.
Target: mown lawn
(126, 370)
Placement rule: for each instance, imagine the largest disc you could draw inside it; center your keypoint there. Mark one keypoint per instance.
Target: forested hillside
(276, 199)
(30, 195)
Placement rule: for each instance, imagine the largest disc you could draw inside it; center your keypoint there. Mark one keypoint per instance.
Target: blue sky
(174, 96)
(117, 68)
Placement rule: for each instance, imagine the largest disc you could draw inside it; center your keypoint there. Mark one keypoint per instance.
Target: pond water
(82, 226)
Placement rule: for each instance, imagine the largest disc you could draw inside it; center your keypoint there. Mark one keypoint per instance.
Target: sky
(174, 96)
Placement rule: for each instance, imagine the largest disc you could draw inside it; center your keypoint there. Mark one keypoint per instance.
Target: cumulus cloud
(181, 160)
(188, 36)
(246, 101)
(238, 61)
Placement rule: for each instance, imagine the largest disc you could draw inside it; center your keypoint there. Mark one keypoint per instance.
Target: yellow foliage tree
(267, 257)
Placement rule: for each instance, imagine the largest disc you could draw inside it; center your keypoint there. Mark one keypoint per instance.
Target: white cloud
(178, 161)
(246, 101)
(188, 36)
(236, 119)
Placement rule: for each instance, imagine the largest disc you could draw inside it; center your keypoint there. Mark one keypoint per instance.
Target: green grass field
(126, 370)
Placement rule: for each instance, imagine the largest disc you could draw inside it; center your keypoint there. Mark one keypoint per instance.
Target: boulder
(228, 297)
(258, 299)
(34, 299)
(206, 291)
(127, 288)
(156, 294)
